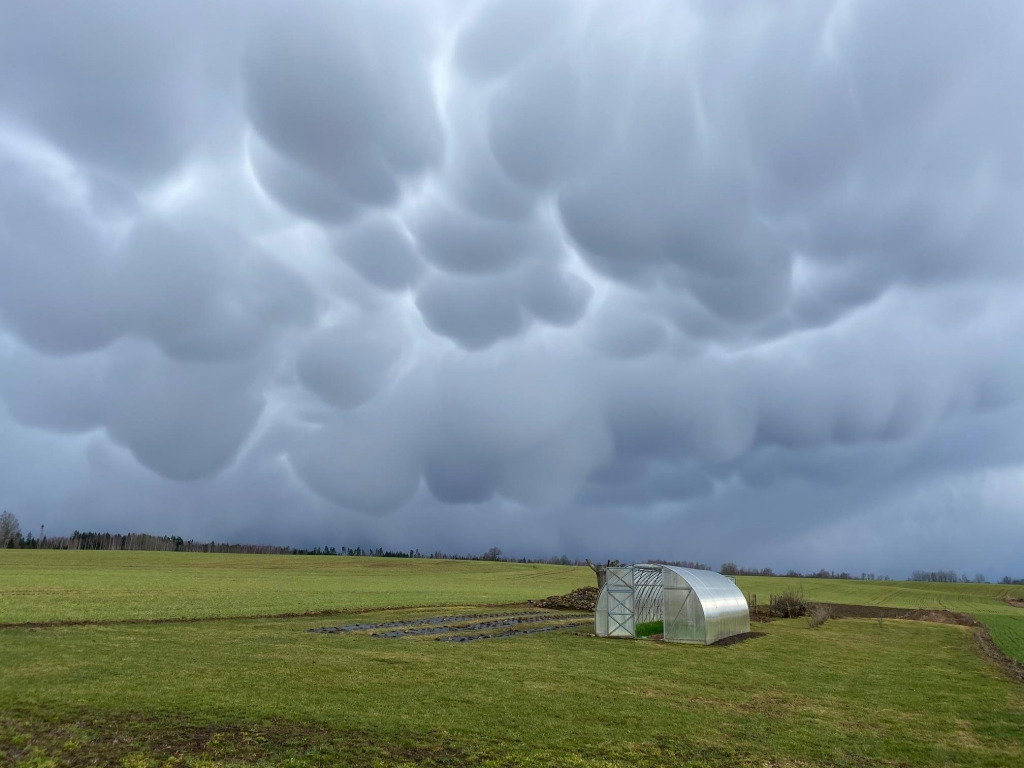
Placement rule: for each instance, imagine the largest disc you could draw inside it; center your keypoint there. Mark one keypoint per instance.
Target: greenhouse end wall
(702, 606)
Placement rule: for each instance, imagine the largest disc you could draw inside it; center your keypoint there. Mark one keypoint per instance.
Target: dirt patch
(247, 617)
(202, 619)
(507, 633)
(479, 626)
(89, 739)
(743, 637)
(423, 621)
(583, 599)
(86, 738)
(1016, 602)
(842, 611)
(988, 648)
(466, 628)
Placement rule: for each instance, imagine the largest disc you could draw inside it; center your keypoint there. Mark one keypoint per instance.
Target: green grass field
(45, 585)
(895, 594)
(265, 691)
(984, 602)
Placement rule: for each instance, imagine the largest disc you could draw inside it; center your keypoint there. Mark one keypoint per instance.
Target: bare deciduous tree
(9, 528)
(600, 571)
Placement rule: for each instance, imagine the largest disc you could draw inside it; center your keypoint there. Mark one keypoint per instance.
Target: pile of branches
(583, 599)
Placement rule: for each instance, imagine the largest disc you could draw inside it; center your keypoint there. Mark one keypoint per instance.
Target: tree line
(950, 577)
(731, 569)
(11, 537)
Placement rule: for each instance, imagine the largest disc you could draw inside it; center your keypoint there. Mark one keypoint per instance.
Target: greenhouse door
(619, 588)
(681, 615)
(681, 619)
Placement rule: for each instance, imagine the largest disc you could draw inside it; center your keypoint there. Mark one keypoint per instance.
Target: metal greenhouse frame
(695, 606)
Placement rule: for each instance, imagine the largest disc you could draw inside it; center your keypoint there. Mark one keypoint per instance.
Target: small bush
(818, 616)
(648, 628)
(789, 605)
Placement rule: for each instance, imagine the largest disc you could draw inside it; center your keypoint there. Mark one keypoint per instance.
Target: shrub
(818, 616)
(789, 605)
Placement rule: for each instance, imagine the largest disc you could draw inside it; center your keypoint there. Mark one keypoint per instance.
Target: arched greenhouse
(694, 606)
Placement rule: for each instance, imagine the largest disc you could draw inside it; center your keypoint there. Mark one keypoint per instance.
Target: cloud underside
(663, 260)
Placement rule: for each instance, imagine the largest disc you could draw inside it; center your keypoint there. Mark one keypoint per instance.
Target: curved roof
(710, 586)
(706, 584)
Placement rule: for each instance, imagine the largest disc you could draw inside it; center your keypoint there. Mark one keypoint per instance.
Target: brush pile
(583, 599)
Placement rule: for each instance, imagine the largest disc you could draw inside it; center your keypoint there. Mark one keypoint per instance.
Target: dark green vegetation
(648, 628)
(247, 691)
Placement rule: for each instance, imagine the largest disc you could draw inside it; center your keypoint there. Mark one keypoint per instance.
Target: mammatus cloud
(546, 275)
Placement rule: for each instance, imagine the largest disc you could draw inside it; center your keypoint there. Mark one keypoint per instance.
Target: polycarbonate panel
(723, 608)
(684, 619)
(619, 589)
(601, 614)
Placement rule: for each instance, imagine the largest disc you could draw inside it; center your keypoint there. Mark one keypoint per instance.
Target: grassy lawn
(49, 585)
(849, 693)
(894, 594)
(265, 691)
(984, 602)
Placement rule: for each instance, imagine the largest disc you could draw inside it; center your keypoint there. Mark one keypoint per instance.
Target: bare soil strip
(509, 633)
(843, 611)
(200, 619)
(477, 626)
(84, 739)
(461, 629)
(988, 648)
(241, 617)
(411, 623)
(733, 639)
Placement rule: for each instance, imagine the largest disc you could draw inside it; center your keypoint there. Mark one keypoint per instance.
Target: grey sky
(707, 280)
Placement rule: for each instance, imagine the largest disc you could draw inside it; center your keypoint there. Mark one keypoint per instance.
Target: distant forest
(139, 542)
(147, 542)
(731, 569)
(12, 538)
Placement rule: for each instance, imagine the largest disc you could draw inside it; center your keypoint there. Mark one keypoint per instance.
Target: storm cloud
(702, 280)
